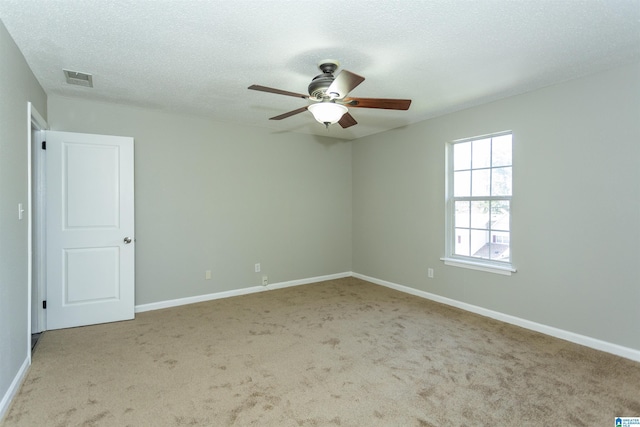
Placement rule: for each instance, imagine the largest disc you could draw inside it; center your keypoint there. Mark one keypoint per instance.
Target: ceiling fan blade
(344, 83)
(277, 91)
(347, 120)
(289, 114)
(384, 103)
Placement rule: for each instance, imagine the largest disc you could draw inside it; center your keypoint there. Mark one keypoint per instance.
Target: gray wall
(17, 87)
(576, 206)
(213, 196)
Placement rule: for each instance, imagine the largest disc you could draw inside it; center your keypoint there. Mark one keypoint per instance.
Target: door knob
(127, 240)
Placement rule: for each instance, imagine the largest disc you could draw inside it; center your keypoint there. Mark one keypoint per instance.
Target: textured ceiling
(199, 57)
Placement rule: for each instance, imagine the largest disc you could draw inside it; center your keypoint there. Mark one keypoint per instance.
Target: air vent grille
(79, 79)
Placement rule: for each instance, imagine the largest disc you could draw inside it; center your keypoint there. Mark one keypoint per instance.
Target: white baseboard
(236, 292)
(586, 341)
(13, 389)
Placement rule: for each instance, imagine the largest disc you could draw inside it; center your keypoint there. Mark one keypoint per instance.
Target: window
(479, 192)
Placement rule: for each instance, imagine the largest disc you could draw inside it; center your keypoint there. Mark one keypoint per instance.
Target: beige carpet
(343, 352)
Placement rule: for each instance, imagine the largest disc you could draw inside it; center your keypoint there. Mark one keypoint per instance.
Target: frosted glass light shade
(327, 112)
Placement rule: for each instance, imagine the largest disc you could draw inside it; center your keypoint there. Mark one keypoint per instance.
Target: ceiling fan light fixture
(327, 112)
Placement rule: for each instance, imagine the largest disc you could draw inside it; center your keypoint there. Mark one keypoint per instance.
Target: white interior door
(90, 229)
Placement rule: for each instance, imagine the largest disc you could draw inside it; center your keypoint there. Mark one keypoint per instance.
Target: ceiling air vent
(80, 79)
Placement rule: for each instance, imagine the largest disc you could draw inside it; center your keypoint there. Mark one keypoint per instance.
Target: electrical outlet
(257, 267)
(430, 273)
(265, 280)
(207, 275)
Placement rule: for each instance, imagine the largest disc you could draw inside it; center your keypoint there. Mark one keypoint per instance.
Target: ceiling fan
(328, 96)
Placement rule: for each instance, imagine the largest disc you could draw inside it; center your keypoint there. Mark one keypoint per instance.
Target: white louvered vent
(77, 78)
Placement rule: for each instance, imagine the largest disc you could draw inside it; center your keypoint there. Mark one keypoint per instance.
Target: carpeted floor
(343, 352)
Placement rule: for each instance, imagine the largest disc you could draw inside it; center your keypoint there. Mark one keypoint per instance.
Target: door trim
(35, 122)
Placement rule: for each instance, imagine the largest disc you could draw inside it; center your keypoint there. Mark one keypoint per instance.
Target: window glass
(480, 182)
(501, 151)
(480, 215)
(479, 243)
(462, 214)
(500, 215)
(462, 241)
(462, 184)
(481, 153)
(462, 156)
(501, 181)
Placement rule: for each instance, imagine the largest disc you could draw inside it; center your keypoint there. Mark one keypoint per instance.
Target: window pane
(480, 182)
(480, 243)
(499, 246)
(462, 214)
(480, 214)
(501, 151)
(462, 156)
(481, 153)
(462, 241)
(501, 182)
(500, 216)
(501, 237)
(462, 184)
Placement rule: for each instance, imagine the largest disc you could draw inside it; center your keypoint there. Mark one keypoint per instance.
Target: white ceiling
(199, 57)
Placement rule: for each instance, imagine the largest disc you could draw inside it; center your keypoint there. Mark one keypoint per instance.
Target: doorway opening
(34, 341)
(36, 273)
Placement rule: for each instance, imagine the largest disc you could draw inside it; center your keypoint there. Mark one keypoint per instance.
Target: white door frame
(36, 125)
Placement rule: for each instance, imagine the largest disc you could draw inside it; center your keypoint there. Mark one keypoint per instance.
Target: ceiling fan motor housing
(320, 83)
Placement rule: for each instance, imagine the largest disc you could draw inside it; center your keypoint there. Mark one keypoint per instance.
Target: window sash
(452, 227)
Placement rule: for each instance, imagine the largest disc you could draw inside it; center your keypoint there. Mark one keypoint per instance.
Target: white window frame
(475, 263)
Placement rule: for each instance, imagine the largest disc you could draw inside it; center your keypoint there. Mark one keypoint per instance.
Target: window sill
(489, 268)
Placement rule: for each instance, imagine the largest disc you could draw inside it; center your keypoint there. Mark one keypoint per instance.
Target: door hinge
(44, 304)
(44, 145)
